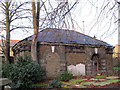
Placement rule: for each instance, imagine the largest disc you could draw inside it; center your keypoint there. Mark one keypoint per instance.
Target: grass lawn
(112, 77)
(98, 77)
(68, 83)
(76, 80)
(106, 82)
(85, 83)
(113, 81)
(101, 83)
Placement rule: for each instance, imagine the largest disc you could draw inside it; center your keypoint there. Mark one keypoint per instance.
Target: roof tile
(67, 36)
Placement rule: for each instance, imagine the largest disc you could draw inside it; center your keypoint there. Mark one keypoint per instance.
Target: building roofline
(65, 30)
(79, 33)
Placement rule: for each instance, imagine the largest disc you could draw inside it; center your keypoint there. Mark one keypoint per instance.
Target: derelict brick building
(58, 49)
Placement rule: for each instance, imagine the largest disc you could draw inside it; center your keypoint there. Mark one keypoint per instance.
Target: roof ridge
(77, 32)
(49, 38)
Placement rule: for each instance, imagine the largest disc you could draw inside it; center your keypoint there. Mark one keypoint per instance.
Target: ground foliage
(24, 73)
(86, 82)
(66, 76)
(55, 84)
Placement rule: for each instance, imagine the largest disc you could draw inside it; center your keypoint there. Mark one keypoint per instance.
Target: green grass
(112, 77)
(101, 79)
(86, 83)
(113, 81)
(80, 86)
(98, 77)
(73, 82)
(68, 83)
(106, 82)
(40, 85)
(101, 83)
(76, 80)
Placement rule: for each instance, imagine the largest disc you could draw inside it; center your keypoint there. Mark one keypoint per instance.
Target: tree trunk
(7, 43)
(34, 48)
(36, 16)
(35, 27)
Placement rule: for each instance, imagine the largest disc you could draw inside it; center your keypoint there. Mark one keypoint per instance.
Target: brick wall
(44, 51)
(67, 56)
(75, 58)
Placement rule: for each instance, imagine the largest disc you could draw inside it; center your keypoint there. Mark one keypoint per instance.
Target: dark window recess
(75, 49)
(109, 51)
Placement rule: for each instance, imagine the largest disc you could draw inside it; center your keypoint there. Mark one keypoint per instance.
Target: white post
(53, 49)
(96, 50)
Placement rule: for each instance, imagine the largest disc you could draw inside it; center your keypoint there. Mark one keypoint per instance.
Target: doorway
(95, 64)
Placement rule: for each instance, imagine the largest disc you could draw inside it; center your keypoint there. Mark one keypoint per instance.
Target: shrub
(55, 84)
(66, 76)
(6, 69)
(24, 73)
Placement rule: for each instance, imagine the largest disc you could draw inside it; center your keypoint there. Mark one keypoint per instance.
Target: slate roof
(67, 36)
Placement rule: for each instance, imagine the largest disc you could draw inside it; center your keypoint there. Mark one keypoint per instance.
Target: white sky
(83, 12)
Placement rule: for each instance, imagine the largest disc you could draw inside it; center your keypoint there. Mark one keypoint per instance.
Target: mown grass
(86, 83)
(113, 81)
(112, 77)
(76, 80)
(68, 83)
(98, 77)
(106, 82)
(101, 83)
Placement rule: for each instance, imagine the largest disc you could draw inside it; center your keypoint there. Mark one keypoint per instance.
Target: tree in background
(105, 19)
(53, 18)
(36, 16)
(10, 12)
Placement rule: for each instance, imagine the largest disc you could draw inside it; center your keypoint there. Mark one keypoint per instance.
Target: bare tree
(59, 15)
(53, 18)
(105, 19)
(10, 11)
(36, 16)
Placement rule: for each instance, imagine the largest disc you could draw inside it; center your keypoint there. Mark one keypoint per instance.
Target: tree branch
(14, 12)
(20, 27)
(71, 8)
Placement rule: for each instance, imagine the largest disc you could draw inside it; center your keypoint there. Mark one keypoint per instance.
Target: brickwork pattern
(60, 59)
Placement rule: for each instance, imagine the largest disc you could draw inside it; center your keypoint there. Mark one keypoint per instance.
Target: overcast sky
(87, 12)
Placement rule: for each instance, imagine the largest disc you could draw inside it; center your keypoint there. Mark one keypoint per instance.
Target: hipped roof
(54, 35)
